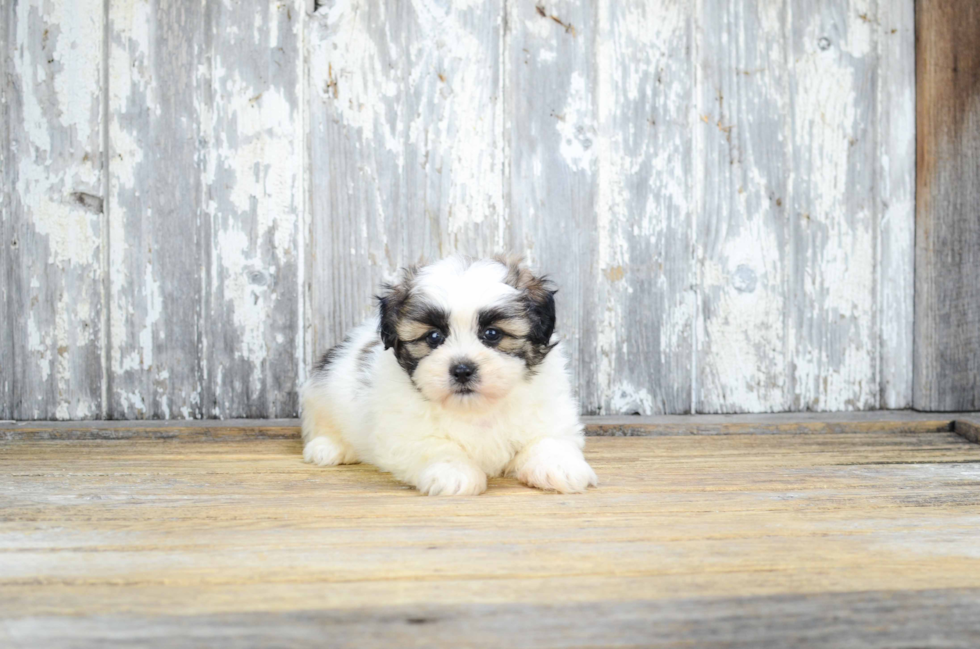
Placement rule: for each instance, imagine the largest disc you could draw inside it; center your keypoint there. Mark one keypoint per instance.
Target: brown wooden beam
(947, 247)
(968, 428)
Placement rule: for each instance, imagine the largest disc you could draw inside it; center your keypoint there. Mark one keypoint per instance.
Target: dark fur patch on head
(538, 300)
(405, 319)
(499, 314)
(417, 318)
(391, 301)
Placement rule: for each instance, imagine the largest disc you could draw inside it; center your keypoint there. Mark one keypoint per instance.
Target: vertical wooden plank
(405, 117)
(551, 130)
(6, 213)
(947, 243)
(158, 236)
(255, 204)
(895, 166)
(646, 314)
(787, 239)
(52, 210)
(206, 290)
(744, 234)
(832, 205)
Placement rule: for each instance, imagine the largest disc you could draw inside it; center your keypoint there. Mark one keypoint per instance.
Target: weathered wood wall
(199, 197)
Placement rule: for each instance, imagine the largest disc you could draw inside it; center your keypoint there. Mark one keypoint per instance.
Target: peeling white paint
(895, 123)
(250, 301)
(355, 73)
(257, 158)
(40, 347)
(798, 289)
(612, 203)
(745, 329)
(154, 309)
(790, 276)
(35, 74)
(72, 232)
(575, 126)
(860, 26)
(79, 62)
(827, 96)
(629, 399)
(54, 129)
(637, 237)
(129, 86)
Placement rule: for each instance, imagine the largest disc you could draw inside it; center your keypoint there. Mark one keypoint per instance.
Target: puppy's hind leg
(323, 444)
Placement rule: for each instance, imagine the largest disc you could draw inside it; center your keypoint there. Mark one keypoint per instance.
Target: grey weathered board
(947, 250)
(199, 198)
(792, 222)
(156, 248)
(53, 310)
(865, 620)
(205, 208)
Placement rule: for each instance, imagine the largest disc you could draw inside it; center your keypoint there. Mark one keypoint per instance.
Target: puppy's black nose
(462, 372)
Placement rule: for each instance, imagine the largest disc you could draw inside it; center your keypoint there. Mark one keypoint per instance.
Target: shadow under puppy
(456, 378)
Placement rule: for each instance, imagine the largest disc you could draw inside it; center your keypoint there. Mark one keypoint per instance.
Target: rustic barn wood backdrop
(200, 196)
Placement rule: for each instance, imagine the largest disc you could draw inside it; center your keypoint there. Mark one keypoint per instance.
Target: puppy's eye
(434, 338)
(491, 335)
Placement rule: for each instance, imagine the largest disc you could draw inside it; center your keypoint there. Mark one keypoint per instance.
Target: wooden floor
(818, 536)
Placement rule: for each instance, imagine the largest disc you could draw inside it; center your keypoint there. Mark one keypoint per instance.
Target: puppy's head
(467, 332)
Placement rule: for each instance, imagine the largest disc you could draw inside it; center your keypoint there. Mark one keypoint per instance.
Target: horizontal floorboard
(929, 618)
(895, 421)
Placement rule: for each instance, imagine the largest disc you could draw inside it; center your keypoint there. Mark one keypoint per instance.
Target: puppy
(457, 378)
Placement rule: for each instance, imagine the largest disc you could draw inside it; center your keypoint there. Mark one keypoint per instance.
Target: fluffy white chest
(492, 441)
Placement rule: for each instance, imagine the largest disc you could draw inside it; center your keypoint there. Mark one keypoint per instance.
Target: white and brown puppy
(456, 379)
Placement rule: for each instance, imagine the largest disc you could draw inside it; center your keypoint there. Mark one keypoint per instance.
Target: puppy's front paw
(452, 478)
(324, 451)
(556, 464)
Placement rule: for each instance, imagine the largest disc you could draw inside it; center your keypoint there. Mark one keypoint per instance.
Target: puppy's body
(454, 381)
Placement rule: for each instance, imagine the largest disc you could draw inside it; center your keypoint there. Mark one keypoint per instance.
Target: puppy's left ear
(540, 296)
(387, 317)
(391, 299)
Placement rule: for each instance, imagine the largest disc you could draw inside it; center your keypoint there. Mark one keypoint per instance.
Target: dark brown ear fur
(391, 300)
(539, 299)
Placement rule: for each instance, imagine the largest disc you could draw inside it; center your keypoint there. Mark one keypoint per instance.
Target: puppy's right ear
(391, 300)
